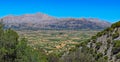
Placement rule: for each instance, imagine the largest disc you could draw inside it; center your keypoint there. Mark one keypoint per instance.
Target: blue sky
(108, 10)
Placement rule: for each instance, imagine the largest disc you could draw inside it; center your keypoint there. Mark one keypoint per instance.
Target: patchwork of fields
(55, 41)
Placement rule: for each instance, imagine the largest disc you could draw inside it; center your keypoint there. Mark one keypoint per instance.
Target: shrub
(115, 35)
(116, 46)
(106, 57)
(116, 43)
(115, 50)
(99, 55)
(108, 41)
(118, 56)
(83, 43)
(98, 44)
(99, 34)
(94, 37)
(102, 60)
(116, 25)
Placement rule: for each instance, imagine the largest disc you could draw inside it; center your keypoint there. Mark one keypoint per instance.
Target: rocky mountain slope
(82, 23)
(106, 44)
(43, 21)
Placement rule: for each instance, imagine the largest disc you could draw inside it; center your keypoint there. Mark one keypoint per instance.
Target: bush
(118, 56)
(106, 57)
(109, 29)
(99, 34)
(116, 25)
(84, 43)
(115, 50)
(108, 41)
(102, 60)
(99, 55)
(94, 37)
(115, 35)
(116, 46)
(116, 43)
(98, 44)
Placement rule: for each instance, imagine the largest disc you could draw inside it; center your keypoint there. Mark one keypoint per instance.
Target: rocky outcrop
(107, 43)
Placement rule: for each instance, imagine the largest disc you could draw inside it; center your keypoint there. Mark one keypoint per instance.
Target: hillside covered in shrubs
(103, 47)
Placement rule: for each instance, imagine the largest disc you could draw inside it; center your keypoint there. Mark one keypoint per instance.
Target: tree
(14, 50)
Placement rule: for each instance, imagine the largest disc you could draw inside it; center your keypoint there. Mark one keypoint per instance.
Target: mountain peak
(44, 21)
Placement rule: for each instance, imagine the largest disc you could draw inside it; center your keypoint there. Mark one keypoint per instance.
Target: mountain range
(42, 21)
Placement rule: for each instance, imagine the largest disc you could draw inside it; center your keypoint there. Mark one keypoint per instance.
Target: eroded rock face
(43, 21)
(108, 43)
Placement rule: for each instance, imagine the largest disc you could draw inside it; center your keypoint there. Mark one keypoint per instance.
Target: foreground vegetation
(13, 49)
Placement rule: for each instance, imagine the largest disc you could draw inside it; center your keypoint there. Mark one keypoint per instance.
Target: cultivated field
(56, 41)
